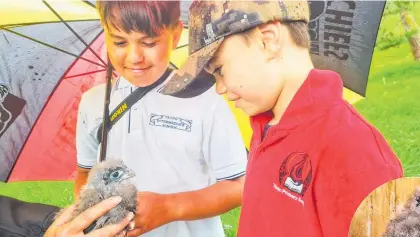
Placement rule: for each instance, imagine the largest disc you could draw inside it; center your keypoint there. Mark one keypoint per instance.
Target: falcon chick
(407, 222)
(107, 179)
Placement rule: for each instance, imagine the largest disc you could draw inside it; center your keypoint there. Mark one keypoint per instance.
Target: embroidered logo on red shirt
(295, 175)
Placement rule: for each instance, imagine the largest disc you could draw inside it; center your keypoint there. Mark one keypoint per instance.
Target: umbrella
(53, 51)
(45, 66)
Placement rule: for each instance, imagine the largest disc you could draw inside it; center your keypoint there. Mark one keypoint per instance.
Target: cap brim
(191, 79)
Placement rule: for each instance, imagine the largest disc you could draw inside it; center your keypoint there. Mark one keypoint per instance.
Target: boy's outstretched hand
(63, 227)
(152, 212)
(155, 210)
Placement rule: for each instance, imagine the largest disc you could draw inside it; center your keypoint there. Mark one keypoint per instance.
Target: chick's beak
(129, 174)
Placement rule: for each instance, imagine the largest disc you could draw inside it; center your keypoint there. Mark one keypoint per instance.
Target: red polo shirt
(311, 171)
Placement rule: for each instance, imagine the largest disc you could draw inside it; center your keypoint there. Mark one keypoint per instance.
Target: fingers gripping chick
(108, 179)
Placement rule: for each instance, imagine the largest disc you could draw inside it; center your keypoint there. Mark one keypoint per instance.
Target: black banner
(343, 36)
(10, 108)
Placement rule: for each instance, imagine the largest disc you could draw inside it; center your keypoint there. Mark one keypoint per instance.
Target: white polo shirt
(173, 145)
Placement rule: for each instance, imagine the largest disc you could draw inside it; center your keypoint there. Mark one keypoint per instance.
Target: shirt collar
(122, 83)
(316, 94)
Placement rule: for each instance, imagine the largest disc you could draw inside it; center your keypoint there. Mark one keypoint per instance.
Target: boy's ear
(177, 34)
(272, 38)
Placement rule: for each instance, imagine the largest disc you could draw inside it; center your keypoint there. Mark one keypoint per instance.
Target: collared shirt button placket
(260, 148)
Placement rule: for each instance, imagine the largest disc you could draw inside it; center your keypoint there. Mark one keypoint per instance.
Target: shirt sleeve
(352, 167)
(88, 122)
(223, 145)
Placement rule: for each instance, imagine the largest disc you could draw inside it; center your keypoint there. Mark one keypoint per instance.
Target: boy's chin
(254, 111)
(138, 81)
(251, 111)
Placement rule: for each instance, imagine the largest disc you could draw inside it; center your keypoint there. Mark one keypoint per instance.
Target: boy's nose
(220, 87)
(135, 54)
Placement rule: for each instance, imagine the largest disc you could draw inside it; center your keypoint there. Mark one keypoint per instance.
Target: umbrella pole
(105, 123)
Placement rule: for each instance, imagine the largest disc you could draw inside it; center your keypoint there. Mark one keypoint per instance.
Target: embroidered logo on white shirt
(171, 122)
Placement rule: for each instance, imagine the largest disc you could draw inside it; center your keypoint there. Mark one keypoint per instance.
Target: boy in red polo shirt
(313, 157)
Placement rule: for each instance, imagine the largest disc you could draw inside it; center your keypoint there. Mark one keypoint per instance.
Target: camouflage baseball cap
(210, 22)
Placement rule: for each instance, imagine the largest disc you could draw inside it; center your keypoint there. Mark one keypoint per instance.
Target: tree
(412, 32)
(388, 39)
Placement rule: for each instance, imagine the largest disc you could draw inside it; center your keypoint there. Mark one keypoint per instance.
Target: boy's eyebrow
(116, 36)
(120, 37)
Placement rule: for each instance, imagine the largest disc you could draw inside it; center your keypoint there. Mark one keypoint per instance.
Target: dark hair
(298, 31)
(149, 17)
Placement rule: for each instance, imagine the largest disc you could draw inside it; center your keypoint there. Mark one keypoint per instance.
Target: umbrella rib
(84, 74)
(173, 65)
(182, 46)
(40, 42)
(5, 38)
(89, 3)
(43, 22)
(74, 32)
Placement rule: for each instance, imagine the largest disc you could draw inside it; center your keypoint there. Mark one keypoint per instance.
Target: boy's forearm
(80, 180)
(211, 201)
(77, 186)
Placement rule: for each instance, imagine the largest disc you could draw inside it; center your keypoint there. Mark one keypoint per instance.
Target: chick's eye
(115, 174)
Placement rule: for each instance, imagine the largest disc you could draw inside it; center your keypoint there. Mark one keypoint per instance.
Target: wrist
(174, 206)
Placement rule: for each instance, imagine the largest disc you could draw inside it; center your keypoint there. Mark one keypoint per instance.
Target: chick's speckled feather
(108, 179)
(407, 222)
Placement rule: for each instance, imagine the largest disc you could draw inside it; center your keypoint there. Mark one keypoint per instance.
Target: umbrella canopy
(45, 66)
(53, 51)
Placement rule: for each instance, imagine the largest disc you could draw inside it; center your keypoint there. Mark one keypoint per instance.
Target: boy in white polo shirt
(188, 154)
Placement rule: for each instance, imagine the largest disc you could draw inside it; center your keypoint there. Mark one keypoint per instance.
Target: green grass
(392, 105)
